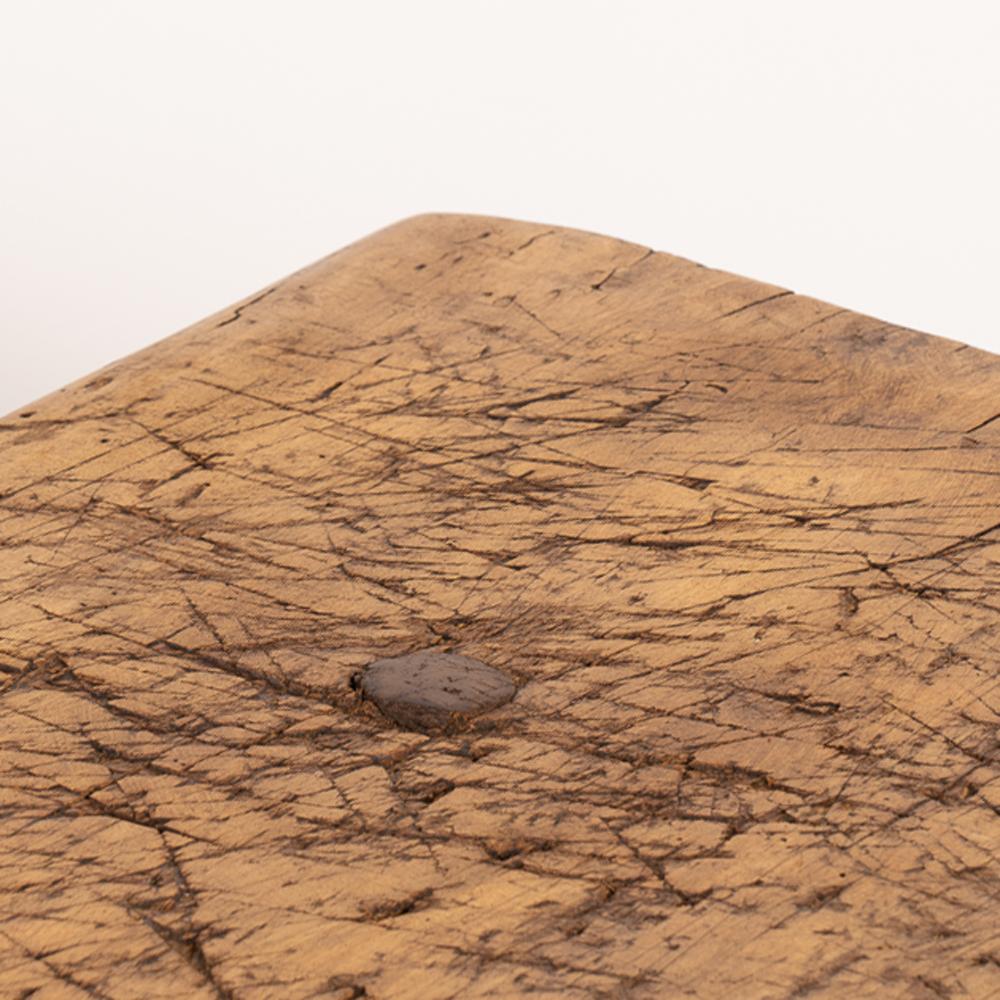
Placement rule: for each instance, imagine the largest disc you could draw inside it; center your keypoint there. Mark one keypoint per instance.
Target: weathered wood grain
(739, 550)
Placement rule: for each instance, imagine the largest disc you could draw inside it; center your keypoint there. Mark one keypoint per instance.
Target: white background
(159, 160)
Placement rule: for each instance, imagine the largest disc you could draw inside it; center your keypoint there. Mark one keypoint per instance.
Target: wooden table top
(738, 550)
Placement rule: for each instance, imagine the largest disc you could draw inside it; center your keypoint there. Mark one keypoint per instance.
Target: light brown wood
(739, 550)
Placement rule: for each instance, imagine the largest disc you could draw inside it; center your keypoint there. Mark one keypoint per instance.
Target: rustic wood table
(723, 561)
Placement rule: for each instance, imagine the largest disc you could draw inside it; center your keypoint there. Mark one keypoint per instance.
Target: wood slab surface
(737, 550)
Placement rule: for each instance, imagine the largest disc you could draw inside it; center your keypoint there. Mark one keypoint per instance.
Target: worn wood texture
(739, 550)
